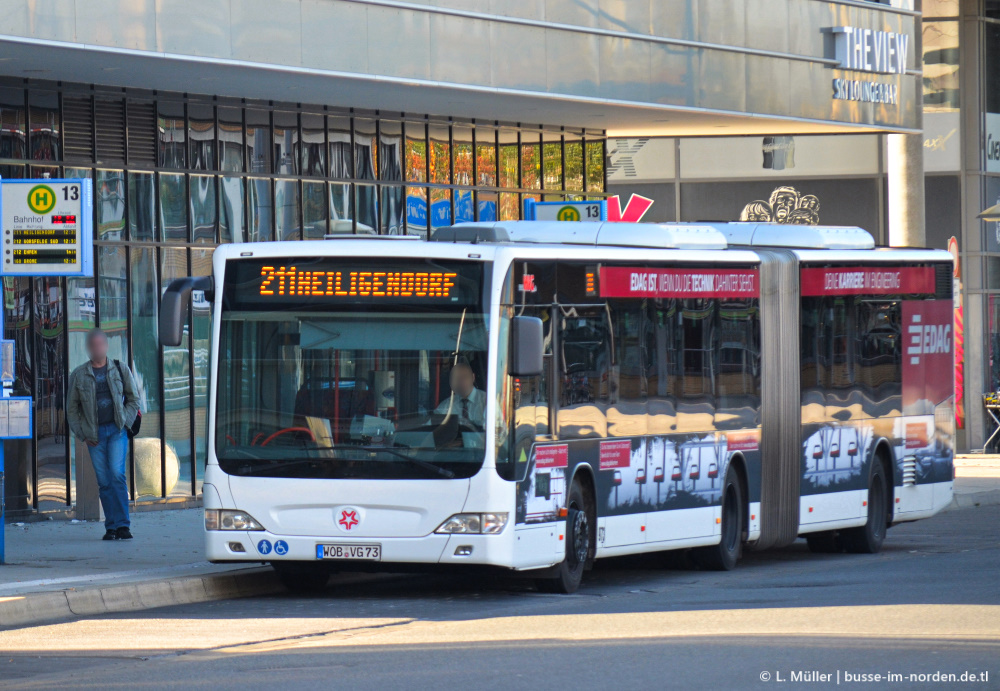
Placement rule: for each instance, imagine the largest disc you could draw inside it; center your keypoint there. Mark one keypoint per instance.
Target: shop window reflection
(172, 147)
(203, 208)
(341, 208)
(45, 122)
(201, 135)
(287, 210)
(177, 453)
(109, 200)
(232, 220)
(531, 162)
(440, 155)
(260, 210)
(940, 66)
(231, 139)
(390, 155)
(173, 207)
(367, 206)
(340, 147)
(552, 165)
(286, 142)
(440, 208)
(573, 152)
(416, 211)
(314, 214)
(141, 204)
(365, 149)
(12, 124)
(416, 152)
(50, 393)
(595, 166)
(258, 135)
(393, 207)
(312, 150)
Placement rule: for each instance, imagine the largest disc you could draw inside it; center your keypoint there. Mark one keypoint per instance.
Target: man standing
(102, 402)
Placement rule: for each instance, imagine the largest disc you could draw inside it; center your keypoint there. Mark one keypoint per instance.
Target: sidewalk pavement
(62, 569)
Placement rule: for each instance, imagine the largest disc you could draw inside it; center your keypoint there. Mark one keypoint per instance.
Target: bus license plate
(350, 552)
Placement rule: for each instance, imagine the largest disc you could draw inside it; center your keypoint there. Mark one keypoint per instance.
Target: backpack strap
(121, 375)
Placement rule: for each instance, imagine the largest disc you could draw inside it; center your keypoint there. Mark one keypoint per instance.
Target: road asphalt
(62, 569)
(928, 606)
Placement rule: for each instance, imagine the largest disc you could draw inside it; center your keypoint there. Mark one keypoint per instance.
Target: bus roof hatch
(795, 236)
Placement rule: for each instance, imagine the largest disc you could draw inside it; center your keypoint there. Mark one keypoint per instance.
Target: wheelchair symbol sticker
(264, 547)
(281, 548)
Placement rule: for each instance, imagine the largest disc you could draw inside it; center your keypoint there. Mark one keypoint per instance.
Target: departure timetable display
(46, 227)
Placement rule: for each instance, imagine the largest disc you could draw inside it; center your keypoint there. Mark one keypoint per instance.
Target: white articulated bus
(532, 396)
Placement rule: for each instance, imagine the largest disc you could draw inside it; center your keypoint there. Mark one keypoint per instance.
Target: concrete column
(905, 200)
(88, 500)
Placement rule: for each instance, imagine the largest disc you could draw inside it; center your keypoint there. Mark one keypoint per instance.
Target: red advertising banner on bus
(554, 456)
(631, 282)
(928, 353)
(868, 280)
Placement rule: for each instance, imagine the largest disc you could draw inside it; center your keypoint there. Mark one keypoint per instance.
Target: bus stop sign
(47, 227)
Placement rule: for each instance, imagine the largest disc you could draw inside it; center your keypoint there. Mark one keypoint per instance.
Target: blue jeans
(108, 458)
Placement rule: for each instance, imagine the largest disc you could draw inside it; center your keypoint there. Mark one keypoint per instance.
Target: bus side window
(879, 362)
(738, 362)
(588, 378)
(627, 414)
(695, 336)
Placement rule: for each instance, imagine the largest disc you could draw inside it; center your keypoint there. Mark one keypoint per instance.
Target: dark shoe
(110, 535)
(123, 533)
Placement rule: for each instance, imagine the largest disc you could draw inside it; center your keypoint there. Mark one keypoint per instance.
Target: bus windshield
(347, 368)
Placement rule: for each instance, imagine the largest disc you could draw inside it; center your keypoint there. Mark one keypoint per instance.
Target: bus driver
(466, 401)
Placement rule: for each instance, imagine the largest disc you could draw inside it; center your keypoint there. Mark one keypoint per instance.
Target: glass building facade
(845, 177)
(174, 177)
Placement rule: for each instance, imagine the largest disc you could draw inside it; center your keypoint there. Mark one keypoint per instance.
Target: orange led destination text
(290, 282)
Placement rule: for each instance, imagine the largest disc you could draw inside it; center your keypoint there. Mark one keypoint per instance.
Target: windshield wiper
(410, 459)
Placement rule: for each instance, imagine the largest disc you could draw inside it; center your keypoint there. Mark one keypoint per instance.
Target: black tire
(301, 577)
(725, 555)
(868, 538)
(581, 539)
(825, 542)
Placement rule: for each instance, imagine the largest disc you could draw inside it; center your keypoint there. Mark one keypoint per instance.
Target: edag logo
(927, 339)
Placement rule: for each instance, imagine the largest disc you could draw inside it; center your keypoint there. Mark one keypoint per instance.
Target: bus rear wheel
(868, 538)
(580, 541)
(725, 555)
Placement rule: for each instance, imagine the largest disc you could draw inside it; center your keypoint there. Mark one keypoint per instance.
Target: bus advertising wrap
(637, 282)
(870, 280)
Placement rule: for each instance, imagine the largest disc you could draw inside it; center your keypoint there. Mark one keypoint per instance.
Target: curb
(35, 608)
(970, 500)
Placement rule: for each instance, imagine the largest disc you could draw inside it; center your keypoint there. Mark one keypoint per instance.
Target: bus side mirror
(526, 347)
(174, 306)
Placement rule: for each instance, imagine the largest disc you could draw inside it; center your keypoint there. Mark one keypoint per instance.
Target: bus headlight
(474, 524)
(229, 519)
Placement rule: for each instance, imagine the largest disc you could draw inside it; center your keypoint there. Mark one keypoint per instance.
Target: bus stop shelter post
(3, 491)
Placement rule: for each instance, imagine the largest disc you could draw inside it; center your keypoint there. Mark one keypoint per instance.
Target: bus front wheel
(580, 540)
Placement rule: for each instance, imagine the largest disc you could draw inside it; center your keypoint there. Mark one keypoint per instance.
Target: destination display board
(47, 227)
